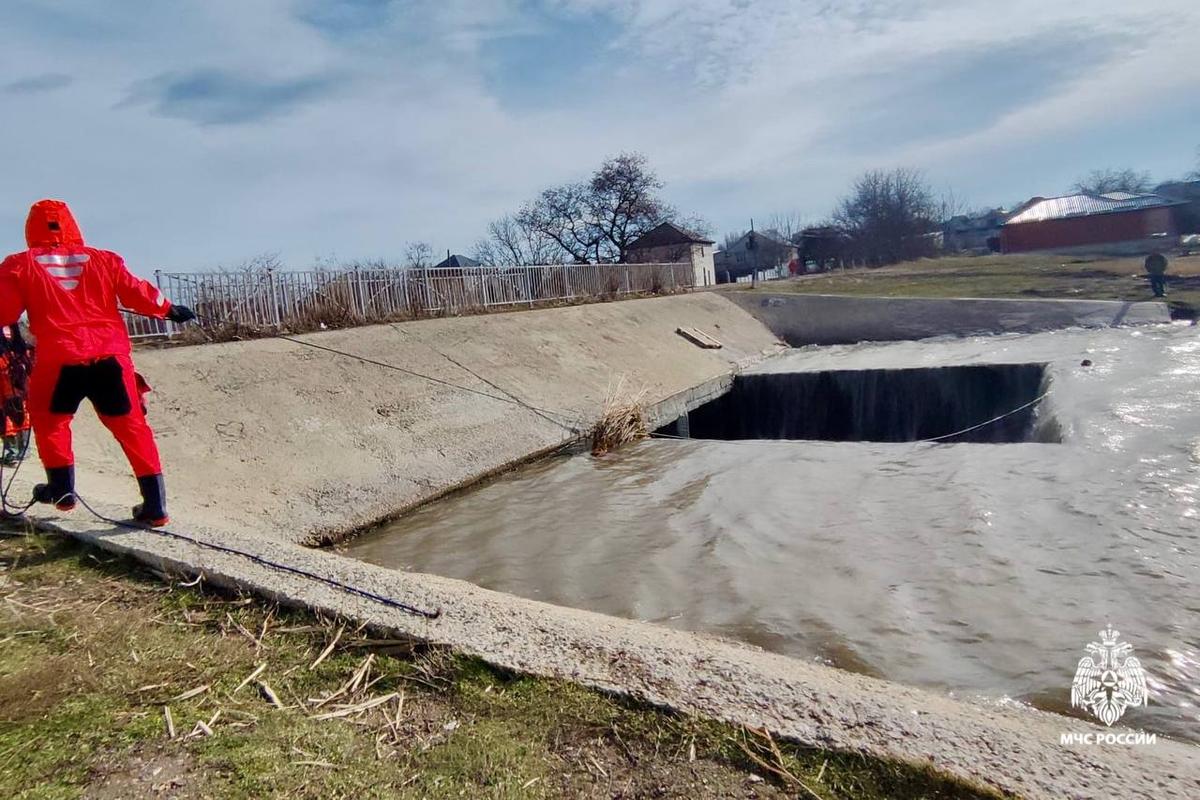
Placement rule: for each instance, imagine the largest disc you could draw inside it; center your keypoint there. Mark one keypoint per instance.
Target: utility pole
(752, 246)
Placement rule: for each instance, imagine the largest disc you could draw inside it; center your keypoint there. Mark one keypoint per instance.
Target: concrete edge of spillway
(266, 443)
(1014, 749)
(806, 319)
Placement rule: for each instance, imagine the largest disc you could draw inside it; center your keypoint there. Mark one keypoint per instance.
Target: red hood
(50, 223)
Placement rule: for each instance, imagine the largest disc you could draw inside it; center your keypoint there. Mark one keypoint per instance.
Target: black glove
(181, 314)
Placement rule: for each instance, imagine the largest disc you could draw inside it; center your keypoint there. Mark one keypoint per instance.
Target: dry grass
(1019, 276)
(622, 421)
(116, 684)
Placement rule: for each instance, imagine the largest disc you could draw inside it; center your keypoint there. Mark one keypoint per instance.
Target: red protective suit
(71, 293)
(14, 381)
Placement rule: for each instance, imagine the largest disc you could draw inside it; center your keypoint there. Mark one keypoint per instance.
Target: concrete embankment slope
(308, 446)
(802, 319)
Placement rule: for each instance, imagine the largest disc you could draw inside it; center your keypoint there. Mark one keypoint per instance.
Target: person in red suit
(73, 294)
(15, 358)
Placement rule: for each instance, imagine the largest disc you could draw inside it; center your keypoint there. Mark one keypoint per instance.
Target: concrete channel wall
(803, 319)
(269, 445)
(309, 446)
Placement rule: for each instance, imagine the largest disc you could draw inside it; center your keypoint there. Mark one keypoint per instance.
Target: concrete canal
(981, 563)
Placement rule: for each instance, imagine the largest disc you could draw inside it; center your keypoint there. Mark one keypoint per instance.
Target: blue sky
(202, 132)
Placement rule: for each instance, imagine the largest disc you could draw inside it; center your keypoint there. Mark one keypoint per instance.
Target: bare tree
(694, 223)
(510, 243)
(625, 203)
(951, 205)
(596, 220)
(1103, 181)
(418, 255)
(560, 214)
(260, 262)
(888, 216)
(786, 224)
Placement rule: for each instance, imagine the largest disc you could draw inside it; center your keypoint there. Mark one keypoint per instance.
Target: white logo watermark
(1110, 679)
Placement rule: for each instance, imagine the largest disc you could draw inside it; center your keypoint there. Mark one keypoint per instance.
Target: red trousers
(57, 389)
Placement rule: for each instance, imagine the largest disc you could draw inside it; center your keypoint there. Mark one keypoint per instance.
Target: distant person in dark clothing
(1156, 269)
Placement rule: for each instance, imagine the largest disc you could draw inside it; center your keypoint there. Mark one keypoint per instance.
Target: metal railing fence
(276, 300)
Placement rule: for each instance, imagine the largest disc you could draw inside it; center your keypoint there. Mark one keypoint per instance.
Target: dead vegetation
(1017, 276)
(116, 683)
(623, 419)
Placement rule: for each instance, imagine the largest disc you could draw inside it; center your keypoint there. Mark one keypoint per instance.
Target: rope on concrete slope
(549, 416)
(541, 412)
(266, 562)
(931, 440)
(19, 511)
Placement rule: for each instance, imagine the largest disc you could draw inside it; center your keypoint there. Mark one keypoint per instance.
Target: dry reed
(623, 420)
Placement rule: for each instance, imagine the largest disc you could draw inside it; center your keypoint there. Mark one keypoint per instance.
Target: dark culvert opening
(880, 405)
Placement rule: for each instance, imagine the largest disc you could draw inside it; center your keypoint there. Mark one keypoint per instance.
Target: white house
(667, 244)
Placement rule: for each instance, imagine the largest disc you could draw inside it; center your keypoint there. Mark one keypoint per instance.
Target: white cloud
(194, 133)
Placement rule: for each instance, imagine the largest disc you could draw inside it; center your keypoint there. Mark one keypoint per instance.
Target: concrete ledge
(1011, 748)
(804, 319)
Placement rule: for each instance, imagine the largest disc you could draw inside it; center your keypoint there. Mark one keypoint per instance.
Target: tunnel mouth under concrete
(979, 403)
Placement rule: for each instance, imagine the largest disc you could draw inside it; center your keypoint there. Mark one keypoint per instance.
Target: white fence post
(275, 299)
(357, 302)
(169, 327)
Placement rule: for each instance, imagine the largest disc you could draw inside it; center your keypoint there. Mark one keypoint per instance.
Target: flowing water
(979, 569)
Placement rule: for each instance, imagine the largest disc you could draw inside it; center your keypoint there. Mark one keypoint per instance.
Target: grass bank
(1020, 276)
(119, 683)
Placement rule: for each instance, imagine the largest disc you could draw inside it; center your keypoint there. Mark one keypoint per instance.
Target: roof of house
(666, 234)
(457, 262)
(988, 219)
(768, 235)
(1087, 204)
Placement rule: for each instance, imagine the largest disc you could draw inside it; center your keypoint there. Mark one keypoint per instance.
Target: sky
(200, 133)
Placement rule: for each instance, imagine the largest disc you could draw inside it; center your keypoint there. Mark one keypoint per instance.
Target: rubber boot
(58, 489)
(152, 510)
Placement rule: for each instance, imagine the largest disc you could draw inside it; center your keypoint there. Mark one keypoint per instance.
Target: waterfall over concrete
(881, 405)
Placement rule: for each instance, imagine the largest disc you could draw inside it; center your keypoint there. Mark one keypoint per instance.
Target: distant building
(456, 262)
(977, 233)
(762, 250)
(1187, 216)
(822, 247)
(1115, 223)
(669, 244)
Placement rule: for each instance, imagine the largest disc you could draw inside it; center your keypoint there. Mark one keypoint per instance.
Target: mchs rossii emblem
(1109, 679)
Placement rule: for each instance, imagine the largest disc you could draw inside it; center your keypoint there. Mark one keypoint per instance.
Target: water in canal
(982, 569)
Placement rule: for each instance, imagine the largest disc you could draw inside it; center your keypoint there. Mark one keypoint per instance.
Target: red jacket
(72, 291)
